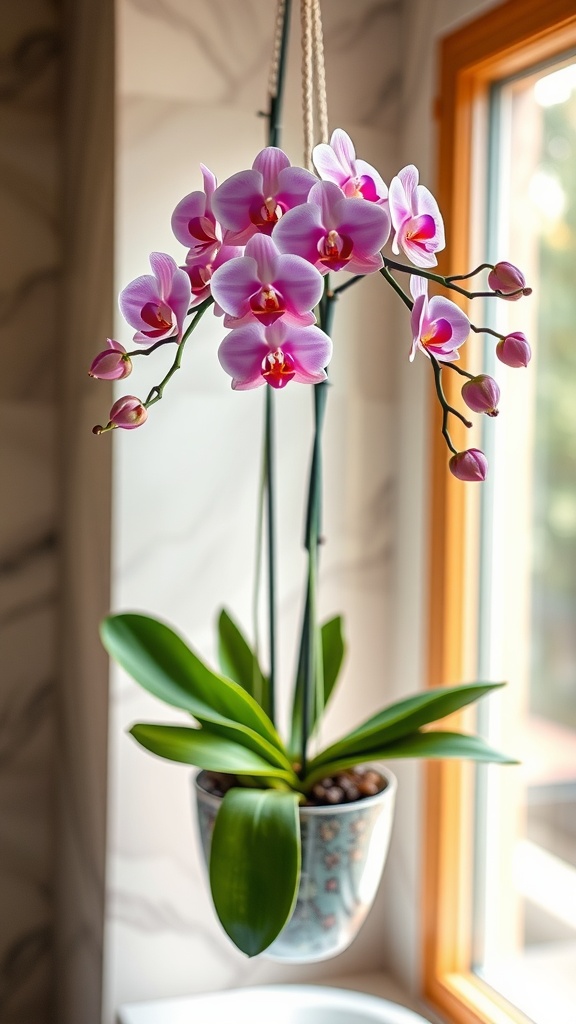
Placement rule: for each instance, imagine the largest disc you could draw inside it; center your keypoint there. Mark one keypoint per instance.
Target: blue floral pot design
(344, 850)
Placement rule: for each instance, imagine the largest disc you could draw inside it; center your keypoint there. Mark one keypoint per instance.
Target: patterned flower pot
(344, 849)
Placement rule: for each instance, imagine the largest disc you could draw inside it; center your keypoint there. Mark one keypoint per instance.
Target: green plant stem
(310, 646)
(157, 392)
(275, 109)
(394, 284)
(270, 478)
(446, 407)
(274, 132)
(487, 330)
(344, 287)
(472, 273)
(447, 282)
(310, 653)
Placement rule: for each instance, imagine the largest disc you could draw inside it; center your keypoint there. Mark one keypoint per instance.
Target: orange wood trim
(507, 39)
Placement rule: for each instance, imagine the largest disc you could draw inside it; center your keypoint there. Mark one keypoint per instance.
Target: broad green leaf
(255, 865)
(204, 749)
(160, 661)
(239, 662)
(416, 744)
(333, 650)
(405, 717)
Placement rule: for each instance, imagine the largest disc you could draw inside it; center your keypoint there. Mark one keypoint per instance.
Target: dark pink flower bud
(128, 412)
(508, 281)
(482, 394)
(514, 350)
(470, 465)
(112, 363)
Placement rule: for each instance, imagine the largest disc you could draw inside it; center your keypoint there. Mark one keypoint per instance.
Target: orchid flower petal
(366, 223)
(300, 283)
(343, 147)
(210, 184)
(269, 163)
(241, 354)
(299, 231)
(328, 165)
(233, 283)
(163, 268)
(294, 184)
(262, 249)
(232, 199)
(134, 297)
(366, 170)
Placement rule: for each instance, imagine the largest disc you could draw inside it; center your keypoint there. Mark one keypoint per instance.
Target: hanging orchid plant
(261, 249)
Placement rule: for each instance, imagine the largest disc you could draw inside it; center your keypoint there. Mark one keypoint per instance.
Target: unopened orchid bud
(128, 412)
(112, 363)
(508, 281)
(514, 350)
(469, 466)
(482, 394)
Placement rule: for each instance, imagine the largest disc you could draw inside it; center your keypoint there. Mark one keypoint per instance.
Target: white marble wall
(191, 78)
(29, 529)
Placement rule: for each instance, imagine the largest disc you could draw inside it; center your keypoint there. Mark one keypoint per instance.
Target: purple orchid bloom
(254, 355)
(265, 285)
(156, 304)
(194, 223)
(337, 162)
(439, 327)
(200, 273)
(112, 363)
(335, 233)
(416, 219)
(254, 201)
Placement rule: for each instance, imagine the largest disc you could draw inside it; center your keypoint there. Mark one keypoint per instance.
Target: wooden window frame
(508, 39)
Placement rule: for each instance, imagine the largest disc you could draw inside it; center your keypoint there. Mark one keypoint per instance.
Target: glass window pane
(525, 890)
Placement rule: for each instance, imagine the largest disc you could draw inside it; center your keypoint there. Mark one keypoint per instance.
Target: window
(501, 872)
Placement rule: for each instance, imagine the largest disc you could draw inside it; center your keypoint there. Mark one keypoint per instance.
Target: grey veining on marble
(85, 485)
(30, 274)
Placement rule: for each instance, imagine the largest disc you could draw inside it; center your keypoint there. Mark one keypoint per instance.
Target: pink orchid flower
(156, 304)
(439, 327)
(335, 233)
(265, 285)
(470, 466)
(416, 219)
(254, 201)
(275, 355)
(357, 179)
(128, 412)
(200, 273)
(112, 363)
(194, 223)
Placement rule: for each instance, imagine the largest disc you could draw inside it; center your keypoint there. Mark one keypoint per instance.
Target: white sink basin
(272, 1004)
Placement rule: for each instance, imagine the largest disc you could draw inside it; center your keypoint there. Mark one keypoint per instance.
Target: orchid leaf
(403, 718)
(239, 662)
(204, 749)
(160, 661)
(333, 651)
(416, 744)
(255, 865)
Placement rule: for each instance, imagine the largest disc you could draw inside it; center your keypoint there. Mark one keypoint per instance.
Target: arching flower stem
(397, 288)
(446, 282)
(310, 661)
(269, 484)
(157, 392)
(447, 409)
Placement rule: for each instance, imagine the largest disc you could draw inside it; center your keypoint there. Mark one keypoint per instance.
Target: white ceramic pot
(344, 849)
